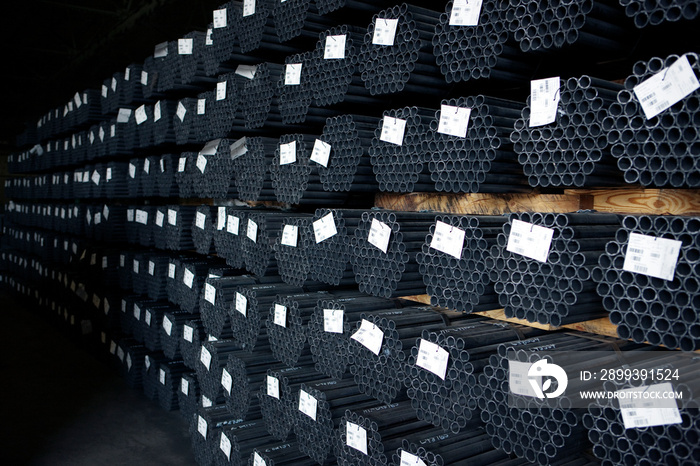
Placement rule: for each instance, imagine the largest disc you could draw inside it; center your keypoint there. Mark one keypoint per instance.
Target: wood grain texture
(642, 201)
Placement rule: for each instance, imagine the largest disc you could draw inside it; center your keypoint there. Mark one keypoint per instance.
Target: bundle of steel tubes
(157, 268)
(252, 168)
(341, 149)
(220, 42)
(213, 172)
(596, 25)
(319, 407)
(189, 279)
(253, 24)
(133, 180)
(205, 426)
(395, 56)
(165, 55)
(551, 283)
(203, 230)
(574, 151)
(213, 356)
(160, 227)
(483, 159)
(222, 105)
(188, 396)
(258, 100)
(444, 365)
(193, 336)
(279, 453)
(261, 231)
(216, 299)
(149, 374)
(163, 129)
(241, 378)
(143, 126)
(189, 58)
(185, 174)
(398, 150)
(383, 252)
(655, 12)
(183, 121)
(645, 305)
(294, 88)
(169, 383)
(552, 428)
(659, 151)
(116, 138)
(291, 249)
(230, 242)
(112, 95)
(330, 252)
(165, 175)
(171, 332)
(453, 259)
(178, 222)
(236, 443)
(131, 86)
(202, 130)
(147, 179)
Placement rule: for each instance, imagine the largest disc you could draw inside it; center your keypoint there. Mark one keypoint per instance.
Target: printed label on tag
(144, 78)
(324, 228)
(147, 362)
(221, 90)
(225, 446)
(252, 231)
(333, 320)
(290, 234)
(248, 7)
(356, 437)
(307, 404)
(96, 178)
(156, 111)
(141, 217)
(201, 106)
(384, 31)
(220, 18)
(132, 170)
(647, 406)
(465, 13)
(232, 224)
(518, 380)
(184, 46)
(241, 303)
(187, 333)
(167, 325)
(544, 101)
(208, 41)
(530, 240)
(161, 376)
(171, 270)
(448, 239)
(666, 87)
(181, 111)
(280, 315)
(205, 357)
(454, 121)
(273, 387)
(321, 153)
(160, 217)
(148, 318)
(206, 402)
(151, 267)
(201, 163)
(172, 217)
(292, 74)
(379, 235)
(185, 386)
(652, 256)
(147, 166)
(334, 48)
(210, 293)
(226, 381)
(370, 336)
(181, 164)
(202, 426)
(288, 153)
(432, 358)
(393, 130)
(140, 115)
(136, 266)
(220, 218)
(258, 460)
(239, 148)
(408, 459)
(188, 278)
(200, 220)
(137, 312)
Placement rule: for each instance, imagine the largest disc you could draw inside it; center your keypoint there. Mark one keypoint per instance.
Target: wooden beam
(642, 201)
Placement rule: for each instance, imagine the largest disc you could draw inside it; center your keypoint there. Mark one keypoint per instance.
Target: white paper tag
(307, 404)
(288, 153)
(454, 121)
(184, 46)
(273, 387)
(206, 402)
(181, 164)
(184, 386)
(151, 267)
(247, 71)
(334, 48)
(208, 41)
(141, 217)
(96, 178)
(666, 87)
(333, 320)
(432, 358)
(181, 111)
(384, 31)
(114, 84)
(248, 7)
(147, 166)
(393, 130)
(290, 233)
(105, 89)
(530, 240)
(232, 224)
(201, 163)
(292, 74)
(379, 235)
(226, 381)
(161, 50)
(132, 170)
(221, 90)
(187, 333)
(160, 217)
(321, 153)
(544, 100)
(201, 106)
(408, 459)
(652, 256)
(156, 111)
(258, 460)
(172, 217)
(465, 13)
(205, 357)
(356, 437)
(167, 325)
(210, 293)
(137, 312)
(200, 220)
(324, 228)
(220, 218)
(202, 426)
(161, 376)
(241, 303)
(280, 315)
(518, 379)
(225, 446)
(144, 78)
(239, 148)
(187, 278)
(136, 266)
(162, 165)
(147, 362)
(252, 231)
(448, 239)
(370, 336)
(639, 409)
(147, 317)
(171, 270)
(220, 18)
(140, 115)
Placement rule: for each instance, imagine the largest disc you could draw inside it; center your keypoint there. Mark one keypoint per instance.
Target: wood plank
(479, 204)
(601, 326)
(642, 201)
(499, 314)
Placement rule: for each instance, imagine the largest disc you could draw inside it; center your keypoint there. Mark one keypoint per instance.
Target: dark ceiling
(54, 48)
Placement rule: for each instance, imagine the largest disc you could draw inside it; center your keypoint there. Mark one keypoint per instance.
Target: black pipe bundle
(553, 428)
(117, 135)
(596, 24)
(188, 282)
(330, 326)
(214, 171)
(165, 175)
(241, 378)
(165, 55)
(223, 104)
(185, 174)
(398, 151)
(324, 403)
(163, 128)
(293, 19)
(109, 223)
(205, 427)
(279, 453)
(655, 12)
(220, 41)
(144, 218)
(183, 121)
(116, 183)
(646, 307)
(131, 86)
(291, 249)
(133, 180)
(213, 356)
(143, 120)
(149, 374)
(237, 442)
(261, 232)
(659, 151)
(574, 151)
(453, 262)
(193, 335)
(257, 98)
(203, 230)
(216, 299)
(294, 88)
(286, 324)
(483, 159)
(394, 55)
(444, 365)
(189, 59)
(112, 95)
(171, 331)
(340, 150)
(178, 223)
(169, 384)
(231, 238)
(330, 253)
(188, 395)
(277, 396)
(383, 252)
(200, 126)
(370, 436)
(147, 179)
(157, 265)
(556, 288)
(252, 178)
(131, 355)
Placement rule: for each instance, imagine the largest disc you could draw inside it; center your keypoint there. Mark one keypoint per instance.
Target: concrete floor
(60, 405)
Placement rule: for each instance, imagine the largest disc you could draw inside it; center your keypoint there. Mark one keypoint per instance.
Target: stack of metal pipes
(213, 356)
(188, 395)
(221, 37)
(185, 174)
(205, 427)
(190, 59)
(252, 169)
(193, 335)
(169, 383)
(655, 12)
(476, 157)
(398, 150)
(178, 222)
(149, 374)
(202, 110)
(229, 244)
(648, 303)
(183, 121)
(116, 182)
(163, 129)
(112, 95)
(131, 85)
(143, 118)
(222, 105)
(216, 299)
(189, 280)
(573, 151)
(165, 55)
(147, 179)
(203, 230)
(280, 453)
(395, 56)
(294, 93)
(213, 172)
(133, 178)
(261, 231)
(329, 250)
(298, 18)
(661, 151)
(237, 442)
(384, 249)
(291, 249)
(258, 98)
(165, 175)
(551, 283)
(171, 332)
(157, 269)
